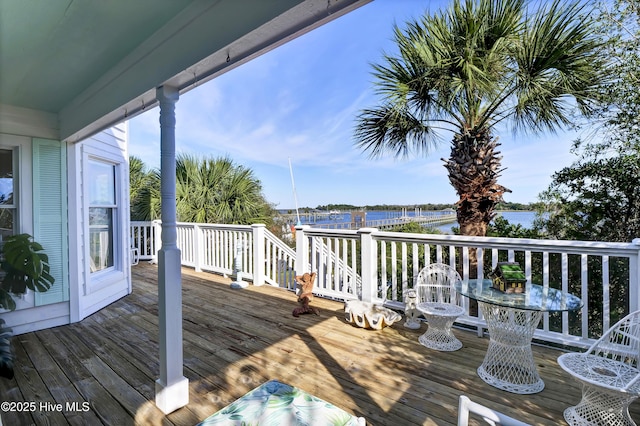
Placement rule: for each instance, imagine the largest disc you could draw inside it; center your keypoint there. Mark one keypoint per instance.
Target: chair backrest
(492, 417)
(621, 342)
(435, 284)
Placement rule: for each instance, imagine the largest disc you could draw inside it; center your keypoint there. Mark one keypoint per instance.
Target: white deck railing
(145, 236)
(379, 266)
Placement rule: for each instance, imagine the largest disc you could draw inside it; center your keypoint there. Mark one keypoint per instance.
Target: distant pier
(358, 219)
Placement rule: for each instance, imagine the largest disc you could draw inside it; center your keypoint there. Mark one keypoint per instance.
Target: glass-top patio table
(512, 319)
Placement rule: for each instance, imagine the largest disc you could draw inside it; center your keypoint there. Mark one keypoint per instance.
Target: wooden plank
(105, 406)
(10, 391)
(61, 388)
(33, 389)
(13, 415)
(118, 360)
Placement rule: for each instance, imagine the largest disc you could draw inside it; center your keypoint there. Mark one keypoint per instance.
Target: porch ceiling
(91, 64)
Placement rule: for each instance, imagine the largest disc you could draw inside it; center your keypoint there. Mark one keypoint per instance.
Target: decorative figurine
(305, 295)
(410, 310)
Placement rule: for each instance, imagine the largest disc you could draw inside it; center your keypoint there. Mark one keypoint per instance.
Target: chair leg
(599, 407)
(439, 335)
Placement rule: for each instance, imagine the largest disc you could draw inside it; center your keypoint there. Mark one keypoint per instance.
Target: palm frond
(560, 67)
(392, 130)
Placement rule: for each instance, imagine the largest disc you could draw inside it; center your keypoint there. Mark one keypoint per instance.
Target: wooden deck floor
(235, 340)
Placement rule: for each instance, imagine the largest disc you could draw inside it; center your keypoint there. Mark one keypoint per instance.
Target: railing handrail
(561, 246)
(270, 236)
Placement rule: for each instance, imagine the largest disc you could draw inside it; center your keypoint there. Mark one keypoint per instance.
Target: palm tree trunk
(474, 167)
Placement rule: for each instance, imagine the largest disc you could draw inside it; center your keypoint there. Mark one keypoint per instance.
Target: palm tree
(471, 68)
(216, 190)
(144, 190)
(208, 190)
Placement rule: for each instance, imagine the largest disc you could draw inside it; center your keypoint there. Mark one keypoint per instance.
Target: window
(8, 207)
(102, 214)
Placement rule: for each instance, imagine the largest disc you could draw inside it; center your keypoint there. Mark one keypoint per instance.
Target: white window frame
(22, 194)
(114, 209)
(105, 277)
(22, 180)
(15, 166)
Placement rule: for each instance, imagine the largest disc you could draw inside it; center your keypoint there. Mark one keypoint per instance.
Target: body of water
(523, 218)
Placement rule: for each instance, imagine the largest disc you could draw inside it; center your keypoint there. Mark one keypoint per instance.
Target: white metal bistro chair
(440, 304)
(492, 417)
(610, 376)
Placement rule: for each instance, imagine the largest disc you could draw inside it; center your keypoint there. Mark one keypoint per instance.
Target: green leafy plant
(25, 266)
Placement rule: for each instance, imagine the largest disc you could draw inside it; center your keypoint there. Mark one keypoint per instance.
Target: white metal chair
(610, 376)
(492, 417)
(440, 304)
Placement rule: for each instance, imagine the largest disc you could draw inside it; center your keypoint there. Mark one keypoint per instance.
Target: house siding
(62, 226)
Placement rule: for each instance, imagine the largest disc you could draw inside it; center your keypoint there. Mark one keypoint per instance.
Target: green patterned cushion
(274, 403)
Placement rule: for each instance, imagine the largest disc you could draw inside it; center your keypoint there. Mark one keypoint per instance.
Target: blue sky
(300, 101)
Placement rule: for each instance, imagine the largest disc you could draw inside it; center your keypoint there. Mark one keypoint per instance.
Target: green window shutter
(50, 214)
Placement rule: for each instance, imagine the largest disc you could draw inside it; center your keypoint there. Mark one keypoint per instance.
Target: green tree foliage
(216, 190)
(501, 227)
(208, 190)
(619, 23)
(415, 228)
(472, 67)
(597, 198)
(144, 191)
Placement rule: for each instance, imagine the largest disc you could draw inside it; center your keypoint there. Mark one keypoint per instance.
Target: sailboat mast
(295, 196)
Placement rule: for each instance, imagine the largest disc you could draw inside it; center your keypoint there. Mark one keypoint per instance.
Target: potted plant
(25, 266)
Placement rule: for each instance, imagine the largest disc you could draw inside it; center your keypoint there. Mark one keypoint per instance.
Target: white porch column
(172, 388)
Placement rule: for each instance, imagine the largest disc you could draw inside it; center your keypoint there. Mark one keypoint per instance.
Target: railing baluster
(355, 280)
(584, 284)
(565, 288)
(545, 284)
(415, 260)
(405, 276)
(480, 254)
(606, 301)
(394, 270)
